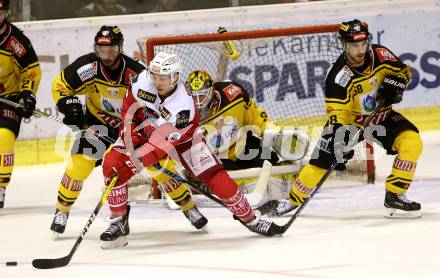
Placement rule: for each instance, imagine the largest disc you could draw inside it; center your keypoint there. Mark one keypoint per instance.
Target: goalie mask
(166, 64)
(353, 31)
(201, 85)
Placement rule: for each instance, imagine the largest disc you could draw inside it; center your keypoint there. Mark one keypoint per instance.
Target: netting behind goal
(284, 70)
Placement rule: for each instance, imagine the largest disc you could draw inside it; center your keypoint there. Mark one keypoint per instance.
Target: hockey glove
(71, 107)
(391, 89)
(27, 100)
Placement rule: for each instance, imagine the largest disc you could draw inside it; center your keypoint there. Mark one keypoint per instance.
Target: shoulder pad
(384, 54)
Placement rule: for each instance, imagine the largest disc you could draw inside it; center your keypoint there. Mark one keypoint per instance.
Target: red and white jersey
(143, 105)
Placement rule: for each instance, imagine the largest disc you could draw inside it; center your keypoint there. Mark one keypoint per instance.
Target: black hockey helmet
(353, 31)
(109, 35)
(4, 4)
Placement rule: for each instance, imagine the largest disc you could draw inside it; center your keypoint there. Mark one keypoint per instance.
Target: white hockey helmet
(166, 64)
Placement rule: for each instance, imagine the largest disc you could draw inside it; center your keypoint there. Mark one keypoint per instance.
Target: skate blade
(121, 241)
(401, 214)
(56, 236)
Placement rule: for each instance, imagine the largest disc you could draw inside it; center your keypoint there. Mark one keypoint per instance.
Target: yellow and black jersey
(19, 66)
(103, 89)
(234, 110)
(350, 93)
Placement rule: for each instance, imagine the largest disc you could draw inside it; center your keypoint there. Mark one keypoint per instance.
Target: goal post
(283, 69)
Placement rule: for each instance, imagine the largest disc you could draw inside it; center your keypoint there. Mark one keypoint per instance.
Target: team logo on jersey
(87, 72)
(164, 113)
(231, 91)
(182, 119)
(108, 106)
(174, 136)
(219, 122)
(216, 140)
(146, 96)
(113, 92)
(130, 76)
(369, 103)
(343, 76)
(373, 82)
(385, 55)
(15, 46)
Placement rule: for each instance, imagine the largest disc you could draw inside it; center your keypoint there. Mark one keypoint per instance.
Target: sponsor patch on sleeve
(343, 76)
(15, 46)
(232, 91)
(182, 119)
(87, 71)
(385, 55)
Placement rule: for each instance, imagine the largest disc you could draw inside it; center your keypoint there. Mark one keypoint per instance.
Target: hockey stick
(60, 262)
(41, 114)
(349, 146)
(255, 198)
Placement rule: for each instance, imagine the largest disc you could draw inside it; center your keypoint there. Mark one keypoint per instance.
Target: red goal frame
(254, 34)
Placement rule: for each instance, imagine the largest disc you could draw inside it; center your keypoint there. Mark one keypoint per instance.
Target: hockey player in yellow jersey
(235, 126)
(20, 76)
(361, 76)
(103, 77)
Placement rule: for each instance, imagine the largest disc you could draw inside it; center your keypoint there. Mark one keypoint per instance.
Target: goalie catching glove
(392, 89)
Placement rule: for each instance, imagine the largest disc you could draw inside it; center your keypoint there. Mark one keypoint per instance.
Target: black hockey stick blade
(60, 262)
(51, 263)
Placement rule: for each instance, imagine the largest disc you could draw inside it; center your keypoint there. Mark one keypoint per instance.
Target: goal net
(283, 69)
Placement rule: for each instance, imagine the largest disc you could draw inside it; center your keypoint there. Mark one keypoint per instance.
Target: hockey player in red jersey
(160, 121)
(363, 74)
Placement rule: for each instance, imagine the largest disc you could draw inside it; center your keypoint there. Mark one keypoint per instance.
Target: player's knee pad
(307, 180)
(408, 145)
(80, 167)
(180, 194)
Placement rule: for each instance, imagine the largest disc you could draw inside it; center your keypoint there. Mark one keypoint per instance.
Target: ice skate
(398, 206)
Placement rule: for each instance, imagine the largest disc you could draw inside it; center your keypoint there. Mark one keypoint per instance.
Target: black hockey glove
(71, 107)
(27, 100)
(392, 89)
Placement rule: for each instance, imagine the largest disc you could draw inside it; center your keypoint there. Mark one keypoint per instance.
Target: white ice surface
(342, 233)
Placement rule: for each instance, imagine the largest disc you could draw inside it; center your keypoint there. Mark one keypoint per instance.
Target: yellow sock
(78, 169)
(177, 191)
(7, 143)
(307, 180)
(409, 146)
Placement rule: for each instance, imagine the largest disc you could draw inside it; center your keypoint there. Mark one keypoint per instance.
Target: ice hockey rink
(342, 233)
